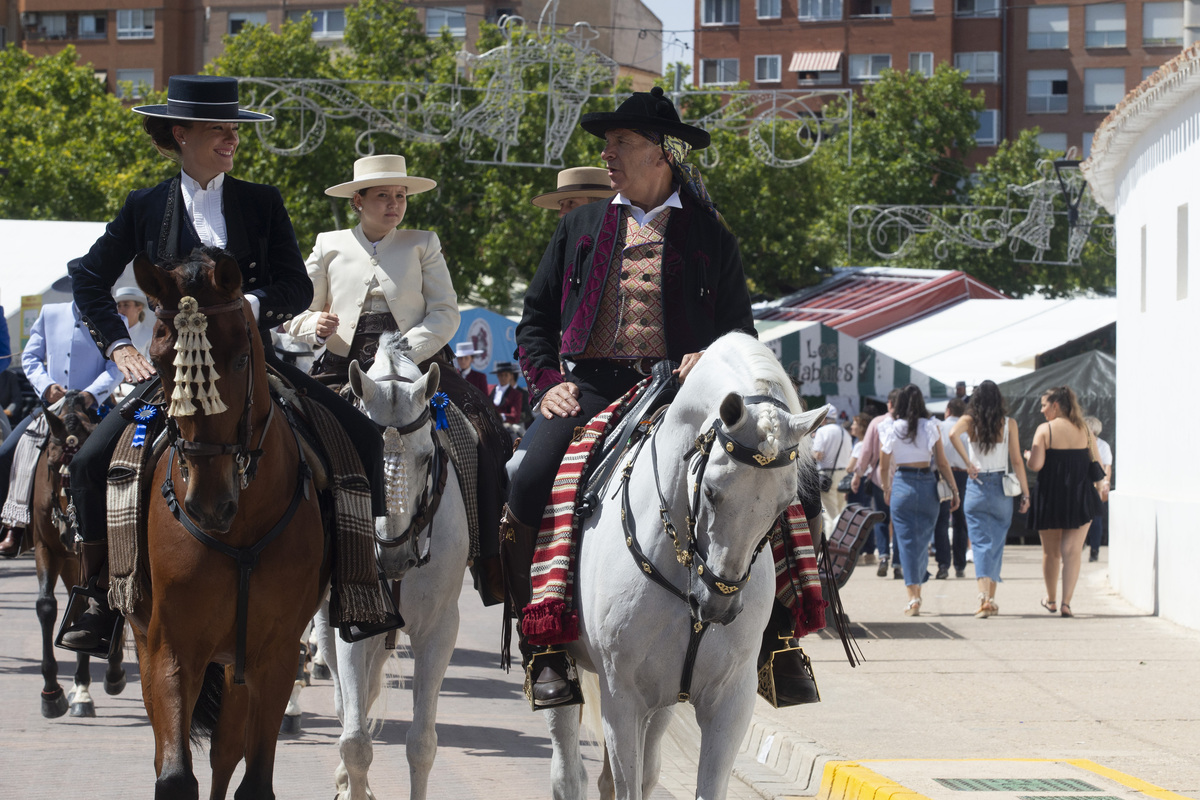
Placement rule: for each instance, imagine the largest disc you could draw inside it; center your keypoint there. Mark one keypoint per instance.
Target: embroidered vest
(629, 321)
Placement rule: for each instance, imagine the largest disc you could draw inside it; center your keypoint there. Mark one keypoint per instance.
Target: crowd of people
(953, 485)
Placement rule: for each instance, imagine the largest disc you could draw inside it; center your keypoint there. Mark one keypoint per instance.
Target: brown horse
(217, 641)
(54, 553)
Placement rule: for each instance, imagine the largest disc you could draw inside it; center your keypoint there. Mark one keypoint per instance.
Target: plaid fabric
(797, 584)
(551, 617)
(130, 473)
(20, 488)
(462, 443)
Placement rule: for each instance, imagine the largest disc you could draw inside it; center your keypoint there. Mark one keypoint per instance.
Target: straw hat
(464, 349)
(130, 293)
(384, 170)
(577, 182)
(202, 98)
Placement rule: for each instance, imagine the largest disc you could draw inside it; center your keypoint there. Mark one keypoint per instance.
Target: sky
(675, 15)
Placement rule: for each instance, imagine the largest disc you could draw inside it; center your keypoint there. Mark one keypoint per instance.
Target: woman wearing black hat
(199, 206)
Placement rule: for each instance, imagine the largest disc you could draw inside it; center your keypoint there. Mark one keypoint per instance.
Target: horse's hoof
(115, 687)
(87, 709)
(290, 725)
(320, 672)
(54, 704)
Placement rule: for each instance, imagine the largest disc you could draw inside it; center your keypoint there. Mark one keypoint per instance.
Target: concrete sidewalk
(1113, 686)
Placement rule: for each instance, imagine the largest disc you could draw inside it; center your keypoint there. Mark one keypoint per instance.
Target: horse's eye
(710, 495)
(242, 362)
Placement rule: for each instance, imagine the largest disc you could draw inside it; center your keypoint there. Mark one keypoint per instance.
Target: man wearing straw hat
(577, 187)
(659, 253)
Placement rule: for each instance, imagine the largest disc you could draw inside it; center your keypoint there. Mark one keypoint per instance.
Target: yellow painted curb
(1148, 789)
(850, 780)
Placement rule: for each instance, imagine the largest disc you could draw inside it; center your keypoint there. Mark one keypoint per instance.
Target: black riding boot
(785, 676)
(548, 681)
(92, 633)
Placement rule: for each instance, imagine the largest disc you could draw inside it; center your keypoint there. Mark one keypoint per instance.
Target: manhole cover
(1018, 785)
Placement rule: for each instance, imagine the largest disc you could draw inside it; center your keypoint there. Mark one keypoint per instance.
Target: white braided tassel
(395, 474)
(194, 364)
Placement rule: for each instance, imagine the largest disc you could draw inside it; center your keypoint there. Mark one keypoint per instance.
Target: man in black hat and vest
(654, 273)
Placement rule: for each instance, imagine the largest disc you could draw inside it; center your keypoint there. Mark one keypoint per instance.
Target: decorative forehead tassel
(438, 403)
(193, 364)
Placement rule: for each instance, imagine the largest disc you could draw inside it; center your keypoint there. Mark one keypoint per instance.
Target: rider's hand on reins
(561, 401)
(133, 365)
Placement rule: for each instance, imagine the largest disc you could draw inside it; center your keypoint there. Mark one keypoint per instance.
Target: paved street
(1112, 685)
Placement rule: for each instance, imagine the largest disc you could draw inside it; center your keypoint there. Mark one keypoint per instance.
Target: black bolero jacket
(703, 286)
(260, 237)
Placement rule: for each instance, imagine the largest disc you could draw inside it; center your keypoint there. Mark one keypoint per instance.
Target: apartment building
(1057, 66)
(144, 42)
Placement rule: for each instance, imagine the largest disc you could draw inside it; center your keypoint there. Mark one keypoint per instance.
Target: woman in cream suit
(376, 277)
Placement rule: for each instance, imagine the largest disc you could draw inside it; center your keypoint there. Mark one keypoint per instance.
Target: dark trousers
(882, 545)
(958, 520)
(7, 448)
(89, 467)
(545, 443)
(1095, 534)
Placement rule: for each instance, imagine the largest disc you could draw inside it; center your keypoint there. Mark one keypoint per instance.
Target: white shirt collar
(204, 206)
(643, 217)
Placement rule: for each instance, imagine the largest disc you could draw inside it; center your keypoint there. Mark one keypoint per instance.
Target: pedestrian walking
(832, 445)
(912, 443)
(951, 551)
(868, 467)
(1067, 500)
(862, 497)
(1095, 535)
(992, 446)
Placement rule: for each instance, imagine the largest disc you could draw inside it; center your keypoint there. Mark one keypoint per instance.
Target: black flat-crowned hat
(647, 111)
(202, 98)
(505, 366)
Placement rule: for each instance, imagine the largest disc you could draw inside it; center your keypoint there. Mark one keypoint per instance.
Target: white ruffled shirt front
(910, 451)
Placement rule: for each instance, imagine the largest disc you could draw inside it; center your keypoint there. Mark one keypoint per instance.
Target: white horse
(739, 405)
(430, 560)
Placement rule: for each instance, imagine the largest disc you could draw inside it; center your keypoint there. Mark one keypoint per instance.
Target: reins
(688, 552)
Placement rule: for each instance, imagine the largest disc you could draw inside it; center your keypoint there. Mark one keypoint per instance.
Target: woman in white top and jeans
(912, 443)
(993, 446)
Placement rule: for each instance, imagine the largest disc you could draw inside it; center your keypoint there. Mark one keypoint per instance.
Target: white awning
(826, 61)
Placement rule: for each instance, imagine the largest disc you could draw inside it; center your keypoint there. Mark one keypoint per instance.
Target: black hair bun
(657, 91)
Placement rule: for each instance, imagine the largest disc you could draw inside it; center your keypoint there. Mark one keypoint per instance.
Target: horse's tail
(208, 703)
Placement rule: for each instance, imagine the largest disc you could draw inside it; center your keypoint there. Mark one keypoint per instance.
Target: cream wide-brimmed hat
(384, 170)
(577, 182)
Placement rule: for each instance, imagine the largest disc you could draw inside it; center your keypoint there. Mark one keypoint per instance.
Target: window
(920, 7)
(53, 26)
(976, 8)
(719, 12)
(327, 23)
(817, 10)
(240, 19)
(1105, 25)
(1102, 89)
(1162, 24)
(871, 8)
(718, 71)
(981, 67)
(135, 23)
(815, 78)
(1046, 92)
(1087, 144)
(140, 80)
(1148, 71)
(989, 125)
(1054, 142)
(921, 63)
(93, 26)
(1048, 28)
(768, 9)
(454, 18)
(767, 68)
(869, 67)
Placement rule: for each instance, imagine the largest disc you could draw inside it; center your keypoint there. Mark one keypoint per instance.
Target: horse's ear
(56, 425)
(151, 278)
(360, 383)
(732, 410)
(432, 379)
(801, 424)
(227, 275)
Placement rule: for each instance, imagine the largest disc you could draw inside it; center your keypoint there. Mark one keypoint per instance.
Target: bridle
(688, 550)
(434, 482)
(244, 457)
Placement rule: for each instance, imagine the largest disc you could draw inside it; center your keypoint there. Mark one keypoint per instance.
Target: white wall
(1155, 513)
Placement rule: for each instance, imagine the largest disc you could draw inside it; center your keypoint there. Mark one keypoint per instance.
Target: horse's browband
(232, 305)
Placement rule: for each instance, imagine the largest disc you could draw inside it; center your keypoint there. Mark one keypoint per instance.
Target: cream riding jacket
(411, 272)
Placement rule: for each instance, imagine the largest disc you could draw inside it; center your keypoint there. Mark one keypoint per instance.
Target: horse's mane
(192, 268)
(72, 419)
(395, 346)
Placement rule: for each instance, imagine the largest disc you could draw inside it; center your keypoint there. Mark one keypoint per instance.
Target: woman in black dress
(1062, 453)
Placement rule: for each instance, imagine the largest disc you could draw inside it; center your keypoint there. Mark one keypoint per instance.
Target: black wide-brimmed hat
(505, 366)
(202, 98)
(647, 111)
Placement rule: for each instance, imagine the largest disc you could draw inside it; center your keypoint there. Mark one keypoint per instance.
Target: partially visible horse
(236, 473)
(54, 553)
(723, 463)
(423, 541)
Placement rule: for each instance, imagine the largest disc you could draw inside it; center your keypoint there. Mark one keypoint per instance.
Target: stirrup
(768, 687)
(535, 665)
(77, 604)
(351, 632)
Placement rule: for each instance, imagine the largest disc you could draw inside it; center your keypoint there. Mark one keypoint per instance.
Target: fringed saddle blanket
(553, 618)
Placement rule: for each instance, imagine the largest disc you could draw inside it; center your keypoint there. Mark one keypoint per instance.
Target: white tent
(997, 340)
(36, 253)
